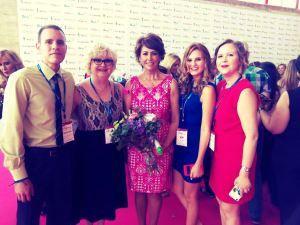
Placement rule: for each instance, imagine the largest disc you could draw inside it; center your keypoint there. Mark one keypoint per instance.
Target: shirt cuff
(19, 173)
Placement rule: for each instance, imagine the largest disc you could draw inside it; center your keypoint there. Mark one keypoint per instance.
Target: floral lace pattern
(151, 100)
(98, 115)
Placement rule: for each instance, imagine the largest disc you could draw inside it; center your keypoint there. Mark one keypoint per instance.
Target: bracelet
(21, 180)
(245, 169)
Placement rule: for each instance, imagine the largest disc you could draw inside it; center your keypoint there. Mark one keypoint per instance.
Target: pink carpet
(172, 212)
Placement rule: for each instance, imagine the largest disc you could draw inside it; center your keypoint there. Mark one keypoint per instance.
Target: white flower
(149, 117)
(133, 115)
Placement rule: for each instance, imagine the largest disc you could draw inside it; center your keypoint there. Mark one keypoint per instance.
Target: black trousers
(50, 171)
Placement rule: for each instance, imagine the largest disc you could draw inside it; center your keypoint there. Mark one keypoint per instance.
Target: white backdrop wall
(271, 35)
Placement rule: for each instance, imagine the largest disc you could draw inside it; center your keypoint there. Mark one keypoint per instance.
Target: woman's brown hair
(186, 83)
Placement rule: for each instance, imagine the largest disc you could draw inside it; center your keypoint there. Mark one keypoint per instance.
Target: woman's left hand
(243, 183)
(197, 171)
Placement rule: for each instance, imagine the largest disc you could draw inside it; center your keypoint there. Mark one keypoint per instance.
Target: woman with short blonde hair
(98, 103)
(171, 63)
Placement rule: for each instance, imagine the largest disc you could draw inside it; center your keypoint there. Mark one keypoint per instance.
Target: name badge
(212, 141)
(108, 135)
(68, 133)
(181, 137)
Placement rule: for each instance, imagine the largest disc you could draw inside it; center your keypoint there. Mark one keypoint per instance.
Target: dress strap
(211, 84)
(134, 80)
(116, 88)
(168, 80)
(81, 91)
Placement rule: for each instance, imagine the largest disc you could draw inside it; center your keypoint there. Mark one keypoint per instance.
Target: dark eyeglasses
(107, 62)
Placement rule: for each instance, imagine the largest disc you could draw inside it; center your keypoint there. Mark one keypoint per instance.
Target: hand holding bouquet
(140, 131)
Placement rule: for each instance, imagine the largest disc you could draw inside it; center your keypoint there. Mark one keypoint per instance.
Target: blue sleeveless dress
(190, 119)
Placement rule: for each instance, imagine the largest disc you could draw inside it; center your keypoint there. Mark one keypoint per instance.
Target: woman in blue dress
(197, 103)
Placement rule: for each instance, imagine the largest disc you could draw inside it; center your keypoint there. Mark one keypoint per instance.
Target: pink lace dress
(155, 100)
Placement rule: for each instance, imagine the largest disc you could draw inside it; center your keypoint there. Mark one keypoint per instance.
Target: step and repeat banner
(271, 35)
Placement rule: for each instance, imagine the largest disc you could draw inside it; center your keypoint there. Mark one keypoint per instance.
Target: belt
(42, 151)
(53, 152)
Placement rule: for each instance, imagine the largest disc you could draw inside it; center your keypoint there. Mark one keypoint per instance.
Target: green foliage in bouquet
(138, 130)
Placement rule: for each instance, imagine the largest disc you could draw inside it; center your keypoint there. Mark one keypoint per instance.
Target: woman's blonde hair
(186, 83)
(14, 58)
(291, 77)
(100, 50)
(169, 60)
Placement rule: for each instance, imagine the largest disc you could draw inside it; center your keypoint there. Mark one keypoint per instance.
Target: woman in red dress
(235, 129)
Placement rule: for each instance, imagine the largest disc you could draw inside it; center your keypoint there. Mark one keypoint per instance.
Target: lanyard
(106, 106)
(63, 103)
(222, 97)
(183, 106)
(95, 90)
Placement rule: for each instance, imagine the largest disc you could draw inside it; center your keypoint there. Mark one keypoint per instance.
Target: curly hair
(100, 50)
(186, 83)
(242, 52)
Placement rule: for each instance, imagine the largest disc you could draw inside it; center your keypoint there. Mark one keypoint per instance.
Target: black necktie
(58, 108)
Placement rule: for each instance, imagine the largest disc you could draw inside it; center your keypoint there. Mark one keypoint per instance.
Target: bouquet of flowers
(140, 131)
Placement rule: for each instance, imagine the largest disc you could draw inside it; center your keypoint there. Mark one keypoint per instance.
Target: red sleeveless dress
(230, 137)
(155, 100)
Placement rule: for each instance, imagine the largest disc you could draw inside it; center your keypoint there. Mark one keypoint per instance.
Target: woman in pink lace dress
(152, 92)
